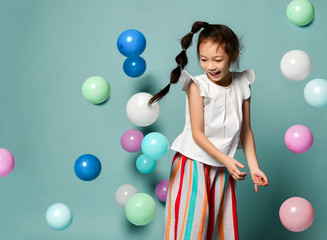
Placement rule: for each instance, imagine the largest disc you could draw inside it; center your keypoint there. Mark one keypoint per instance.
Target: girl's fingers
(264, 178)
(256, 187)
(260, 181)
(238, 176)
(263, 181)
(234, 175)
(239, 164)
(239, 173)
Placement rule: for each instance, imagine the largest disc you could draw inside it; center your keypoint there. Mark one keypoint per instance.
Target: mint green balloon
(96, 89)
(140, 209)
(300, 12)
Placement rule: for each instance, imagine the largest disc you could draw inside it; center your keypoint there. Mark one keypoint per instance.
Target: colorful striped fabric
(201, 203)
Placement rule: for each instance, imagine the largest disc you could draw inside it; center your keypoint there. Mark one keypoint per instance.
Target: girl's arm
(247, 140)
(197, 124)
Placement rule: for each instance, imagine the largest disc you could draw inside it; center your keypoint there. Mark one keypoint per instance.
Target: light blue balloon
(145, 165)
(155, 145)
(315, 93)
(59, 216)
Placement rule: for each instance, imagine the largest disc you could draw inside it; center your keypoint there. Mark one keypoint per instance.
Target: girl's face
(215, 62)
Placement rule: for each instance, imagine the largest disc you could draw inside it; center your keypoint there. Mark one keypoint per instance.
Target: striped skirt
(201, 202)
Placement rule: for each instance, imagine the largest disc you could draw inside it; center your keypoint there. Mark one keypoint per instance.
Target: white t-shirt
(222, 115)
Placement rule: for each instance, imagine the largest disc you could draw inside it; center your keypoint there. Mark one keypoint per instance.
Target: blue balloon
(131, 43)
(134, 67)
(315, 93)
(145, 165)
(155, 145)
(87, 167)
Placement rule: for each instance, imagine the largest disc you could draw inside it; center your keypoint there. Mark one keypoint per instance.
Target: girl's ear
(235, 56)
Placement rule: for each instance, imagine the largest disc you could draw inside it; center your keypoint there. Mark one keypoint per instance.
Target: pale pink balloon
(298, 139)
(7, 162)
(296, 214)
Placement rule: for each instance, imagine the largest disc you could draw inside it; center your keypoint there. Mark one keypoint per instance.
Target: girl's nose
(211, 67)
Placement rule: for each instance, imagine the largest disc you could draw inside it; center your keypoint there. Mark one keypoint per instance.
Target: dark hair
(217, 33)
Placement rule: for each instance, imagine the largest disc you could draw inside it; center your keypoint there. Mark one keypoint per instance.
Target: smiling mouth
(215, 74)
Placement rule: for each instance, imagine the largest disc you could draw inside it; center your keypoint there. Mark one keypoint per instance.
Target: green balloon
(96, 89)
(300, 12)
(140, 209)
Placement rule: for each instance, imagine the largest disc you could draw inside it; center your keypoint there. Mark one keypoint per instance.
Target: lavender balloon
(298, 139)
(131, 140)
(162, 190)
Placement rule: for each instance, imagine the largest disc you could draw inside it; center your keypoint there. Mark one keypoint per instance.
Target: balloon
(296, 214)
(296, 65)
(134, 67)
(298, 139)
(140, 209)
(131, 140)
(145, 165)
(87, 167)
(155, 145)
(131, 43)
(138, 111)
(315, 93)
(59, 216)
(96, 89)
(300, 12)
(7, 162)
(123, 193)
(162, 190)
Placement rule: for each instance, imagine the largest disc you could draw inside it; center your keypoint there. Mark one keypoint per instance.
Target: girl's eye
(218, 60)
(203, 60)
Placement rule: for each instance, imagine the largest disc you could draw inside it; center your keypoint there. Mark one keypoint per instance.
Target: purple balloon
(162, 190)
(131, 140)
(298, 139)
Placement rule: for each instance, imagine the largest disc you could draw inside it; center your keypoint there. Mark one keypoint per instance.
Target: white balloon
(138, 111)
(296, 65)
(123, 193)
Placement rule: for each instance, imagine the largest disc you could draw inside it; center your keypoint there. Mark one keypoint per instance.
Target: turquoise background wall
(47, 50)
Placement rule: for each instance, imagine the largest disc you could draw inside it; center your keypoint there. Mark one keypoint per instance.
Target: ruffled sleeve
(249, 78)
(186, 80)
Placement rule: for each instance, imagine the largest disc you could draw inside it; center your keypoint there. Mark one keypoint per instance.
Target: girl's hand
(258, 178)
(231, 165)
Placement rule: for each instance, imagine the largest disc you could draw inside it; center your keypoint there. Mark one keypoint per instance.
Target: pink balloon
(298, 139)
(7, 162)
(131, 140)
(162, 190)
(296, 214)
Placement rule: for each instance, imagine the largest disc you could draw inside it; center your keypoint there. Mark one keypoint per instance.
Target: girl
(201, 199)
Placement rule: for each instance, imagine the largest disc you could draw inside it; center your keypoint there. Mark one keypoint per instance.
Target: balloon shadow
(147, 83)
(155, 127)
(131, 228)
